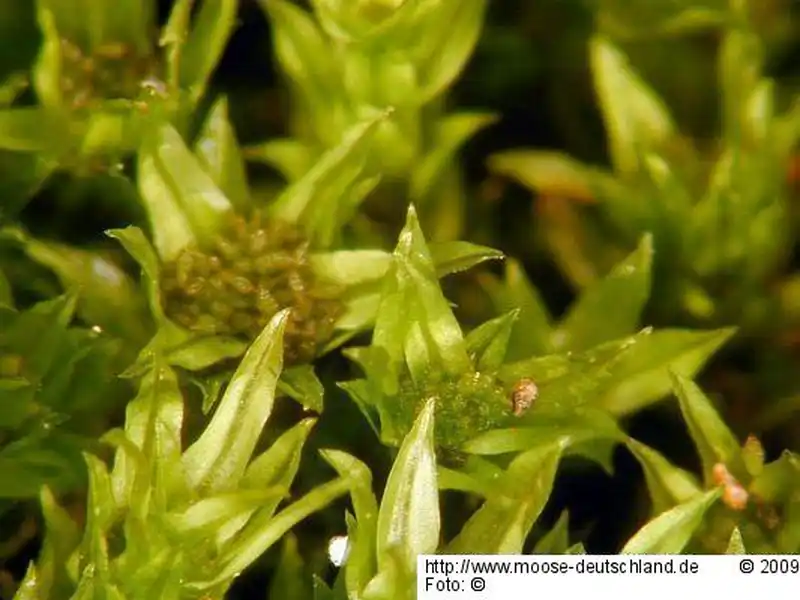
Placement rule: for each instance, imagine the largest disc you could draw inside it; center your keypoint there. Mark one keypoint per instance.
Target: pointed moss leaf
(183, 203)
(486, 344)
(636, 118)
(423, 320)
(17, 395)
(363, 393)
(290, 157)
(37, 337)
(206, 516)
(137, 245)
(28, 463)
(450, 479)
(275, 467)
(503, 523)
(714, 441)
(391, 583)
(96, 584)
(570, 380)
(452, 131)
(264, 530)
(676, 198)
(111, 131)
(576, 549)
(668, 484)
(775, 482)
(99, 513)
(408, 519)
(211, 388)
(131, 21)
(218, 151)
(541, 369)
(552, 174)
(753, 456)
(455, 32)
(290, 581)
(740, 65)
(218, 459)
(736, 543)
(555, 541)
(327, 194)
(485, 472)
(60, 540)
(130, 475)
(611, 308)
(567, 428)
(532, 334)
(341, 21)
(390, 329)
(31, 587)
(456, 256)
(107, 296)
(642, 377)
(278, 465)
(352, 267)
(302, 385)
(186, 349)
(669, 532)
(201, 352)
(360, 564)
(173, 37)
(171, 227)
(212, 27)
(60, 309)
(46, 75)
(153, 422)
(358, 315)
(161, 577)
(364, 503)
(32, 130)
(303, 52)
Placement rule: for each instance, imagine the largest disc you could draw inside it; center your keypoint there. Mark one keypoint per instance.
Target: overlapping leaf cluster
(172, 523)
(348, 59)
(241, 295)
(719, 215)
(101, 74)
(55, 379)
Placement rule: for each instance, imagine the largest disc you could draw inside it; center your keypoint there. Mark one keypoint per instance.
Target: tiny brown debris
(523, 395)
(721, 474)
(734, 496)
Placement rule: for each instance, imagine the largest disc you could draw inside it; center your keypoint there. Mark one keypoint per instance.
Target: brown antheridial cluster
(253, 269)
(113, 71)
(733, 495)
(523, 396)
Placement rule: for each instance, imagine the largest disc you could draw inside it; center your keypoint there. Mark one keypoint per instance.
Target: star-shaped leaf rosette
(493, 398)
(222, 265)
(97, 78)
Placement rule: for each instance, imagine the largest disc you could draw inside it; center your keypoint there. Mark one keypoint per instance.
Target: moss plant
(206, 397)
